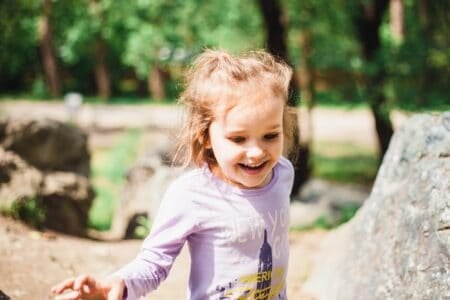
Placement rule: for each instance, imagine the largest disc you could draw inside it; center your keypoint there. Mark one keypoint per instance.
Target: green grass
(116, 100)
(435, 102)
(345, 213)
(127, 100)
(31, 211)
(108, 174)
(324, 99)
(344, 162)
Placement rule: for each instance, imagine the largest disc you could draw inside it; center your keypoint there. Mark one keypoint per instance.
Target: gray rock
(398, 244)
(47, 144)
(18, 180)
(66, 199)
(46, 161)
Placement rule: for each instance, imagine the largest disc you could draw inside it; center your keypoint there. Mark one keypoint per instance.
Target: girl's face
(247, 141)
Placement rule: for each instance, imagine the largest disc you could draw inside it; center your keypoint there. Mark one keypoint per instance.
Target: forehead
(249, 99)
(249, 115)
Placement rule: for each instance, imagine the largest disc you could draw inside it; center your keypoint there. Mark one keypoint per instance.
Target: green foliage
(129, 100)
(19, 42)
(171, 32)
(143, 34)
(418, 66)
(344, 214)
(143, 228)
(29, 211)
(108, 174)
(102, 210)
(344, 162)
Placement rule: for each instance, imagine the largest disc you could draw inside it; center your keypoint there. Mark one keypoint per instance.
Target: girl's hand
(86, 287)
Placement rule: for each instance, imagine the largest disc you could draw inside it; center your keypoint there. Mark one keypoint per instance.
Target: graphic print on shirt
(264, 270)
(256, 286)
(251, 228)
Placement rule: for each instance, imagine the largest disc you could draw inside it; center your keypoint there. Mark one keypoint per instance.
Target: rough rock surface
(398, 244)
(46, 162)
(144, 189)
(66, 199)
(46, 144)
(18, 180)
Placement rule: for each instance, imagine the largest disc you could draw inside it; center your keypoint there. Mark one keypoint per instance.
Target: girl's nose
(255, 152)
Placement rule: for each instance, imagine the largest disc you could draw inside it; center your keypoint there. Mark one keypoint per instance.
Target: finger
(60, 287)
(82, 280)
(86, 289)
(72, 295)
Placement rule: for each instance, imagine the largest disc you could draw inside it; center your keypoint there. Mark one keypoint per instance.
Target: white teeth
(253, 166)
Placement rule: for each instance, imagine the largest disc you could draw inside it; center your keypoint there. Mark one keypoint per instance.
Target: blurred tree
(113, 47)
(368, 21)
(91, 39)
(98, 10)
(275, 28)
(396, 10)
(19, 44)
(167, 34)
(49, 59)
(426, 49)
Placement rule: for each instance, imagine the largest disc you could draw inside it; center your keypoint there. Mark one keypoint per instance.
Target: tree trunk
(48, 51)
(396, 22)
(306, 80)
(275, 27)
(156, 83)
(101, 70)
(277, 45)
(423, 13)
(368, 24)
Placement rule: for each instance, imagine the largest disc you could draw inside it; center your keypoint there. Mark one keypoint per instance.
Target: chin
(254, 185)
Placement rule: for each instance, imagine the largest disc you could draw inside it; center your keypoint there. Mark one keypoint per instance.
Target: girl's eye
(237, 139)
(271, 136)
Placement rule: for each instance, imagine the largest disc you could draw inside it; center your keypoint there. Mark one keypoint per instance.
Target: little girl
(233, 209)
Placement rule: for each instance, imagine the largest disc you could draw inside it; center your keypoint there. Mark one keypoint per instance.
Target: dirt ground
(31, 261)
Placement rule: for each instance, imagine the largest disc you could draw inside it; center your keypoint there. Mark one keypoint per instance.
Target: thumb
(117, 290)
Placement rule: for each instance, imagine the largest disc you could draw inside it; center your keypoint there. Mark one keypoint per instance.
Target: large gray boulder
(63, 198)
(398, 244)
(46, 144)
(44, 166)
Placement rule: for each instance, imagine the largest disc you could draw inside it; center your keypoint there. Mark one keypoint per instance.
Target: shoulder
(285, 166)
(189, 180)
(285, 171)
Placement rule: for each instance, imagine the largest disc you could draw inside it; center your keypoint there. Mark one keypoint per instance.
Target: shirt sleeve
(173, 224)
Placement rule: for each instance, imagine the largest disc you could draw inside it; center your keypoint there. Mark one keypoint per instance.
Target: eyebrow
(238, 131)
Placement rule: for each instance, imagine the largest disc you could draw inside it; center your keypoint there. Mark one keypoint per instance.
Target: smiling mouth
(253, 167)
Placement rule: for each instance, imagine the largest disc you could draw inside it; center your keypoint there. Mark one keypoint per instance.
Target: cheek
(277, 148)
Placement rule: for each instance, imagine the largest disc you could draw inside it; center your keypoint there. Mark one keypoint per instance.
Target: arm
(171, 227)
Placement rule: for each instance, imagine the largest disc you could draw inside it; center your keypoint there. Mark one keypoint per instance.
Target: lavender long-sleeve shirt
(237, 238)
